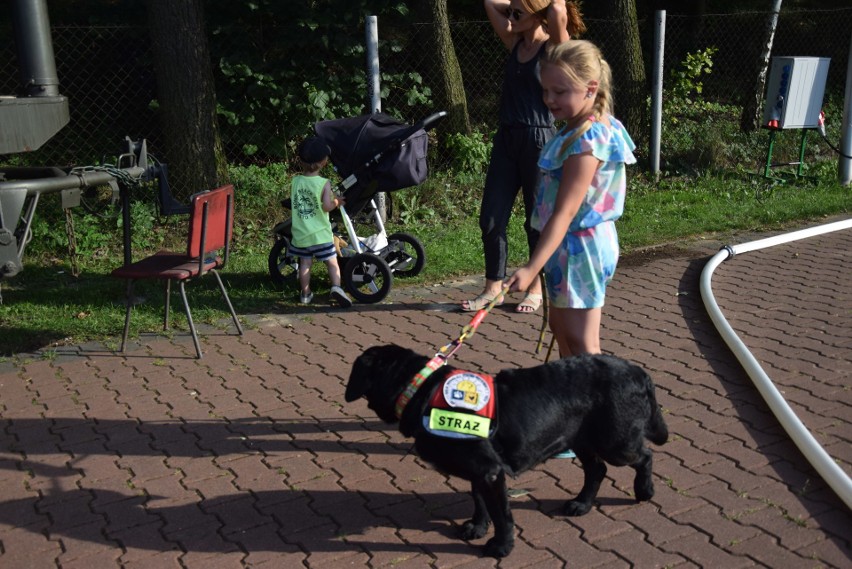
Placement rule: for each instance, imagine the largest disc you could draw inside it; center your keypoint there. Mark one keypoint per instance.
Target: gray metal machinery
(31, 118)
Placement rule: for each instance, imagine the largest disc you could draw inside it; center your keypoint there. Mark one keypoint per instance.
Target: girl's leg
(577, 330)
(305, 265)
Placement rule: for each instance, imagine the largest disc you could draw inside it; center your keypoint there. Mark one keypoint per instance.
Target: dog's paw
(575, 508)
(470, 530)
(497, 548)
(643, 493)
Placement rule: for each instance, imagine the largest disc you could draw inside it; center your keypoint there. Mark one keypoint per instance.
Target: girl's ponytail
(603, 100)
(580, 131)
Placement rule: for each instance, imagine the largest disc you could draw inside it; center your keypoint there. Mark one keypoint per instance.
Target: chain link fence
(108, 77)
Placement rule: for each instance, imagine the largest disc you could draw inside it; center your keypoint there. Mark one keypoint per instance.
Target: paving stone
(251, 458)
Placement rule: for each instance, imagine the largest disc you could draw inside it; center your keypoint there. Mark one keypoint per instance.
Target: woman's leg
(530, 177)
(577, 330)
(501, 187)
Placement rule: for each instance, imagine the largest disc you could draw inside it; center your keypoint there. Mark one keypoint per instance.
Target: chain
(72, 242)
(121, 175)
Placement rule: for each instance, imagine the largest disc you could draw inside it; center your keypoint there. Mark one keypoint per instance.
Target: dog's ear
(360, 378)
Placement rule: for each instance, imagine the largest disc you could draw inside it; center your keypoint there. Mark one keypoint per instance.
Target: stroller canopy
(376, 148)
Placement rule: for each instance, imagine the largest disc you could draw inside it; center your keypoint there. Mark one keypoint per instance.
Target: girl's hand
(521, 280)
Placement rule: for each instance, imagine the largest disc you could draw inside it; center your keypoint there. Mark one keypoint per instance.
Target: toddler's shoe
(339, 295)
(306, 298)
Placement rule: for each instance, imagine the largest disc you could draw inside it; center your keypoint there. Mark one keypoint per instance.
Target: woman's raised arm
(498, 15)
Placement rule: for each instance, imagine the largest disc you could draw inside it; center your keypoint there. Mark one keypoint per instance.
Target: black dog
(601, 407)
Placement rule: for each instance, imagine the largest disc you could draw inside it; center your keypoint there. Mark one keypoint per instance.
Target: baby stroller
(371, 153)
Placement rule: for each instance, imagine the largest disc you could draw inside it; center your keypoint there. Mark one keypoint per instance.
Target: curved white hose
(807, 444)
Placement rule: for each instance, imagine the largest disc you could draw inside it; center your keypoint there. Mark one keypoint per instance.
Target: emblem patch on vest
(463, 407)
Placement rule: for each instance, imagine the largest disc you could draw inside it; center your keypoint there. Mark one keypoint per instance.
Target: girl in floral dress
(580, 196)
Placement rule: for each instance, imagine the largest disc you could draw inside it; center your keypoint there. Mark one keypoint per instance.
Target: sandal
(529, 304)
(480, 302)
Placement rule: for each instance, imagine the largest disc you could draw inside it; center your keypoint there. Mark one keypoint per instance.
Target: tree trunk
(628, 70)
(449, 93)
(187, 97)
(750, 117)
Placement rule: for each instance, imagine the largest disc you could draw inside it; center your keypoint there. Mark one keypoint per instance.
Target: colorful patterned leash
(446, 353)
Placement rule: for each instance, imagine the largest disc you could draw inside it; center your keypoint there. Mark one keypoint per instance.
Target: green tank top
(310, 223)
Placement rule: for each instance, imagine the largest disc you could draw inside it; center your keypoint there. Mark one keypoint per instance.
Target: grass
(704, 191)
(46, 306)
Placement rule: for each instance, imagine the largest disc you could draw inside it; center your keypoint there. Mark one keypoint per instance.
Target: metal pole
(845, 164)
(373, 64)
(35, 48)
(657, 91)
(373, 80)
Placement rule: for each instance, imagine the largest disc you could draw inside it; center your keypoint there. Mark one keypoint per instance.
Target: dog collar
(418, 380)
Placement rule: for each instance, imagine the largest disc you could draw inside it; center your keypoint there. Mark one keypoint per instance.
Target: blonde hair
(582, 62)
(576, 27)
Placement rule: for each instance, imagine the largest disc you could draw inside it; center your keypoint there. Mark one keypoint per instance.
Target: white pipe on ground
(834, 476)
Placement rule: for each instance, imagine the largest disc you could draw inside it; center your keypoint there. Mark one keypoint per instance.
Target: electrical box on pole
(795, 91)
(794, 96)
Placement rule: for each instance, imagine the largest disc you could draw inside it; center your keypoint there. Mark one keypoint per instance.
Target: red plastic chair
(210, 228)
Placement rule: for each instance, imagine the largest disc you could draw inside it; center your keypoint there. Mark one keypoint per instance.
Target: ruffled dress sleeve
(606, 143)
(604, 201)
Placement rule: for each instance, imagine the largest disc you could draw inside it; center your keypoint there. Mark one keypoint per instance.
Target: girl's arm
(496, 10)
(329, 202)
(578, 170)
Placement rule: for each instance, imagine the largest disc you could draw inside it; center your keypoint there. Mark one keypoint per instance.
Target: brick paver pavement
(250, 458)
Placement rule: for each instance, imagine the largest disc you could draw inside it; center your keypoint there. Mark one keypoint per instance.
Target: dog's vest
(463, 406)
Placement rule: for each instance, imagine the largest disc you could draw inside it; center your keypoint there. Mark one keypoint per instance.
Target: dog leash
(445, 353)
(545, 313)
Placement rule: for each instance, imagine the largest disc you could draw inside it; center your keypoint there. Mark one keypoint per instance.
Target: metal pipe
(845, 164)
(657, 90)
(69, 182)
(34, 48)
(372, 30)
(371, 26)
(834, 476)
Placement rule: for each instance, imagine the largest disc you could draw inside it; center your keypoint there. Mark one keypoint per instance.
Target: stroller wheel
(405, 255)
(283, 267)
(367, 277)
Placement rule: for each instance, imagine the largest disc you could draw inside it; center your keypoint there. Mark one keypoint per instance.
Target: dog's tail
(656, 430)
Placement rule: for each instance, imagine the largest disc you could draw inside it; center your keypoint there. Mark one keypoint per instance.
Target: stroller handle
(429, 121)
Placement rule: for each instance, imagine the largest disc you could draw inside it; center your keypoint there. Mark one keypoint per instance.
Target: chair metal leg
(167, 302)
(189, 319)
(129, 302)
(228, 301)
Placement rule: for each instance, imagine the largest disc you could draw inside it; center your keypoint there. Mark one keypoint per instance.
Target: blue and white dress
(579, 270)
